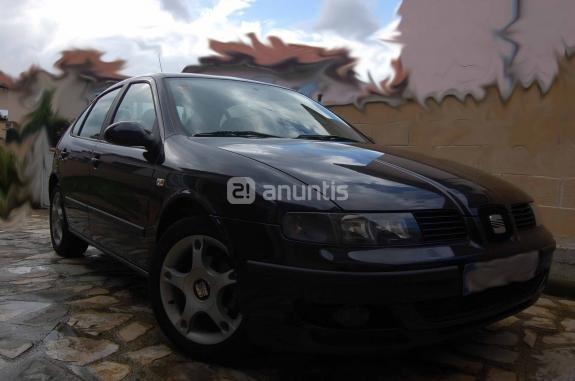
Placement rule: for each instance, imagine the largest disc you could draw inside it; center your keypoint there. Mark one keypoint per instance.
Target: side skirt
(138, 269)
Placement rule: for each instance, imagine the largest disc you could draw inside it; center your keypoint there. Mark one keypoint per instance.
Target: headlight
(352, 229)
(536, 213)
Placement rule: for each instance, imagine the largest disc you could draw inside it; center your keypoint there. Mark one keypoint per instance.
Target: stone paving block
(70, 269)
(49, 255)
(27, 271)
(555, 364)
(568, 325)
(539, 312)
(541, 323)
(92, 279)
(48, 318)
(97, 291)
(529, 337)
(23, 293)
(496, 374)
(80, 350)
(133, 330)
(564, 338)
(94, 323)
(13, 348)
(13, 309)
(100, 300)
(123, 294)
(566, 302)
(200, 371)
(44, 370)
(188, 371)
(547, 303)
(109, 371)
(136, 309)
(28, 281)
(148, 355)
(73, 261)
(457, 377)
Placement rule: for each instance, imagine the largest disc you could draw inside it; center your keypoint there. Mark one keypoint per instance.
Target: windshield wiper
(332, 138)
(243, 134)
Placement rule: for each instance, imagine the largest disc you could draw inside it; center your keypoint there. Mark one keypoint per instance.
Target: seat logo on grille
(497, 224)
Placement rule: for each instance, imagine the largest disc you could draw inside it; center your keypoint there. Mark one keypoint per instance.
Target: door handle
(95, 161)
(64, 154)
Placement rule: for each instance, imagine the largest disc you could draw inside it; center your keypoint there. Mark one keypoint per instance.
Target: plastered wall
(528, 139)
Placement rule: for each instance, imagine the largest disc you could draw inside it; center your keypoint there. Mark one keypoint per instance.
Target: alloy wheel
(57, 219)
(198, 290)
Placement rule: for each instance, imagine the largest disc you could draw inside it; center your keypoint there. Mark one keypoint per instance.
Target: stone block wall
(527, 139)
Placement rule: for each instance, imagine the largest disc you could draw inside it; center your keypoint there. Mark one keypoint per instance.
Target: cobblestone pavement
(87, 318)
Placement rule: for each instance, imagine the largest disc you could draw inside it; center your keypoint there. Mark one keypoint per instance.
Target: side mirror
(129, 134)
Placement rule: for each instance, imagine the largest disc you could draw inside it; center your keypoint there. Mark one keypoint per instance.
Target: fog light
(352, 316)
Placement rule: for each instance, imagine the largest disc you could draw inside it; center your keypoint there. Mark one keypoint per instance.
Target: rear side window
(138, 106)
(93, 123)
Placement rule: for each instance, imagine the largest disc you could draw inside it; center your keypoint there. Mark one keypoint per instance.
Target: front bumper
(301, 310)
(295, 294)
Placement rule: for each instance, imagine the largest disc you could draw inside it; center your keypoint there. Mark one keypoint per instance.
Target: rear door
(124, 180)
(74, 167)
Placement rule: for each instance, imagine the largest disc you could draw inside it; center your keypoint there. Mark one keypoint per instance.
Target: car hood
(377, 178)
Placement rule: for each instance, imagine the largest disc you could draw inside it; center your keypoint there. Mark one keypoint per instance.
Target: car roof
(196, 75)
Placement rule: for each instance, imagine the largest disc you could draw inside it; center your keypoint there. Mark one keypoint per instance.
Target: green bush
(12, 192)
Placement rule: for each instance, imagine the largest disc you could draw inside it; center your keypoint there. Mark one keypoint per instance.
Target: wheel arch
(177, 208)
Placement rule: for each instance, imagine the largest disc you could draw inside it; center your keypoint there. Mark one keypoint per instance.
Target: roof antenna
(160, 62)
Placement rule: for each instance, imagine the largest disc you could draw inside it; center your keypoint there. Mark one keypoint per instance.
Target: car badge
(497, 224)
(202, 289)
(160, 182)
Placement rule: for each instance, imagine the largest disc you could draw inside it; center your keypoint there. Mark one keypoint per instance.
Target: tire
(192, 268)
(65, 243)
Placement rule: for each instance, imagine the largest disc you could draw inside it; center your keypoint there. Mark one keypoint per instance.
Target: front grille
(441, 226)
(523, 216)
(496, 222)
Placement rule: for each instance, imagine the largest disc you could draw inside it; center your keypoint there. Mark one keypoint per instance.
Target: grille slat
(441, 226)
(445, 225)
(442, 229)
(523, 216)
(436, 220)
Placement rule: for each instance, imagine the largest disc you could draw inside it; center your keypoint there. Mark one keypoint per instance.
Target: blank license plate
(480, 276)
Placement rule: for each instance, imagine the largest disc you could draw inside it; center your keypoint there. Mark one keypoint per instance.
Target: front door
(124, 179)
(76, 161)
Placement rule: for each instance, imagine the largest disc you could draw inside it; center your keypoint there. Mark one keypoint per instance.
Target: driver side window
(138, 106)
(95, 119)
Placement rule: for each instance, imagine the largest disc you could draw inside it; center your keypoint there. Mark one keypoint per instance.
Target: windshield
(223, 107)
